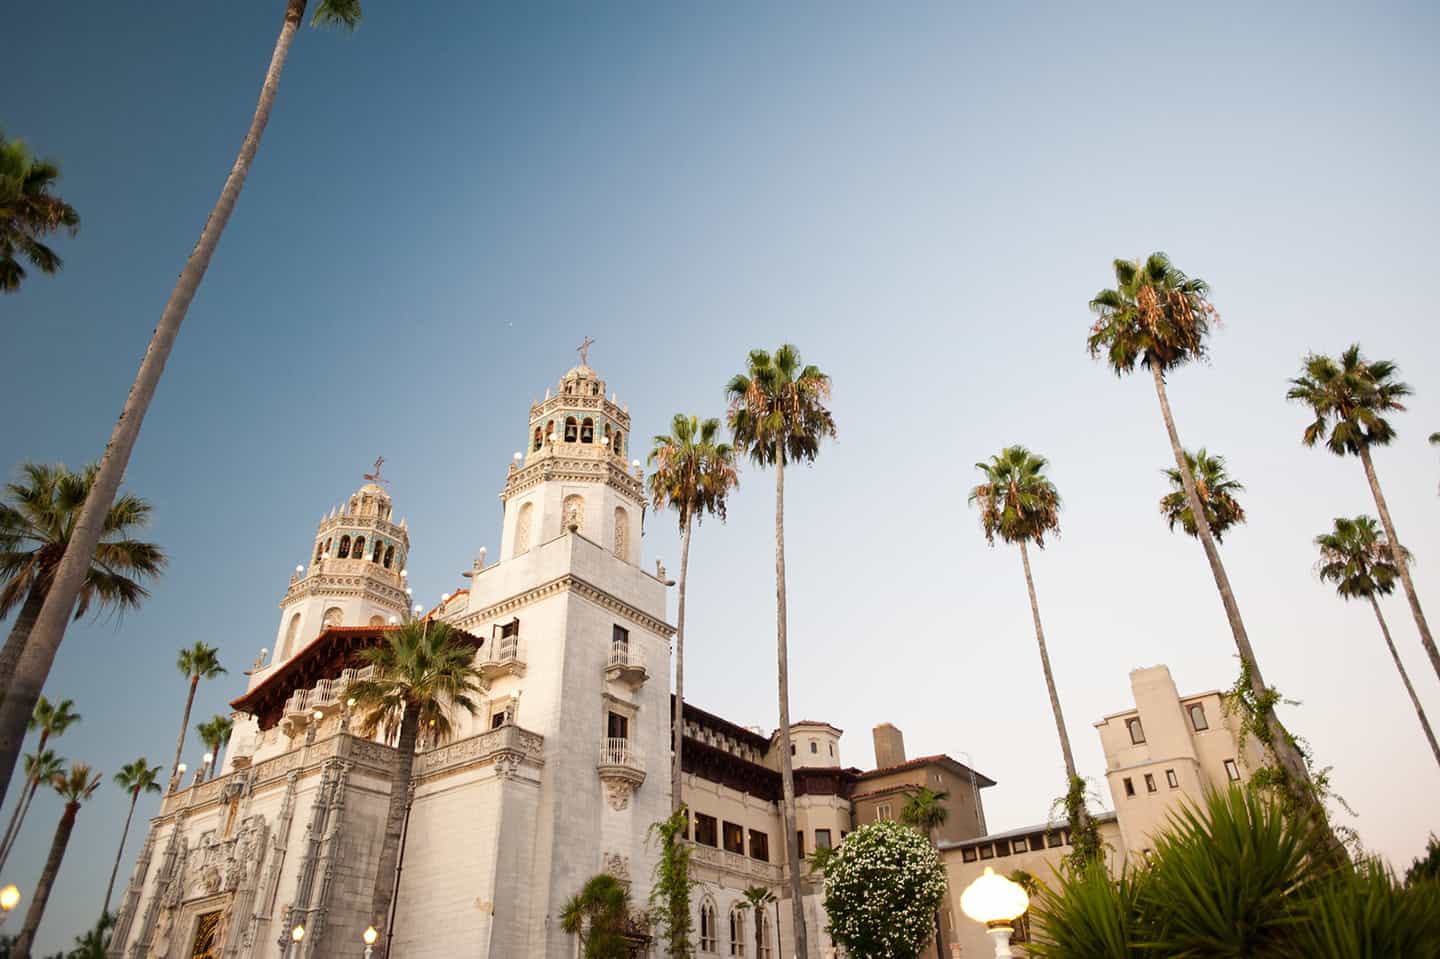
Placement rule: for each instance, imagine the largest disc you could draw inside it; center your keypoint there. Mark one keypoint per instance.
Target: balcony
(502, 659)
(625, 666)
(621, 769)
(325, 695)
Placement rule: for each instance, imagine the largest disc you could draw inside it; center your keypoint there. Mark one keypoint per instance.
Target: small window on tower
(539, 438)
(358, 549)
(344, 552)
(379, 552)
(587, 430)
(1197, 717)
(389, 556)
(1137, 732)
(572, 429)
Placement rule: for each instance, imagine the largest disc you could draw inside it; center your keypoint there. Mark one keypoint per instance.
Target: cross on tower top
(584, 350)
(375, 476)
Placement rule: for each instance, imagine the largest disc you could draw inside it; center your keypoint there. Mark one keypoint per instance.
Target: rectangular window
(759, 845)
(1150, 783)
(686, 832)
(968, 854)
(1137, 732)
(706, 830)
(1018, 845)
(618, 726)
(1172, 780)
(882, 811)
(987, 851)
(1232, 771)
(497, 719)
(1056, 840)
(1129, 786)
(1002, 847)
(1197, 717)
(511, 628)
(734, 838)
(814, 746)
(620, 634)
(822, 839)
(800, 842)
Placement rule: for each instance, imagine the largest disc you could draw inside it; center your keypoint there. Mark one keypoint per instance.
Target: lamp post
(369, 937)
(9, 899)
(296, 936)
(997, 902)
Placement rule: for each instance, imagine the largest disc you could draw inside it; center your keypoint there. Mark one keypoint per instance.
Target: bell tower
(356, 575)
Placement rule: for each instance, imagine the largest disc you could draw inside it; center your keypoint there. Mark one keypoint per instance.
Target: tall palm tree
(1216, 489)
(40, 767)
(925, 810)
(694, 474)
(756, 898)
(76, 786)
(50, 720)
(195, 663)
(1020, 504)
(598, 915)
(136, 778)
(423, 672)
(1350, 398)
(215, 733)
(49, 629)
(1357, 558)
(778, 415)
(28, 212)
(37, 521)
(1159, 318)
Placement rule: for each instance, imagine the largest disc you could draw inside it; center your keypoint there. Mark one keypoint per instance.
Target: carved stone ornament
(617, 792)
(617, 866)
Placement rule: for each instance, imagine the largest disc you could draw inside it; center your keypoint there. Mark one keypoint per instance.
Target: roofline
(938, 759)
(1135, 709)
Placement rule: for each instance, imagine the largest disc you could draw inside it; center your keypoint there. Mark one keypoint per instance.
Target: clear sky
(923, 198)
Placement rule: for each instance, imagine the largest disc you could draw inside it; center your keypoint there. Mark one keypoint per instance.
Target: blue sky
(923, 198)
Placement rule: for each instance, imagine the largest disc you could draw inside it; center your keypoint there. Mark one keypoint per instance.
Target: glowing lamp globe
(370, 935)
(994, 900)
(9, 897)
(297, 933)
(208, 758)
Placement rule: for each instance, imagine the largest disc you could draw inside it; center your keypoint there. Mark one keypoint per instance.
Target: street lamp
(997, 902)
(9, 899)
(369, 936)
(296, 935)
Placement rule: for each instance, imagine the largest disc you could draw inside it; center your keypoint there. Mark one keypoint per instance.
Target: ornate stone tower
(356, 575)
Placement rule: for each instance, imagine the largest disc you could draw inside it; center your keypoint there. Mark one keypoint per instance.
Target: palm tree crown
(35, 527)
(199, 662)
(1349, 398)
(1216, 490)
(693, 473)
(1155, 315)
(925, 809)
(1017, 500)
(43, 767)
(29, 211)
(53, 719)
(1357, 558)
(77, 785)
(778, 407)
(138, 777)
(422, 665)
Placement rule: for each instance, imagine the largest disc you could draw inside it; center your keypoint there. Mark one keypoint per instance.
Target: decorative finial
(375, 476)
(584, 350)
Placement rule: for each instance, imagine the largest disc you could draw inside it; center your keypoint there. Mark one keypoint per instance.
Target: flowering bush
(882, 887)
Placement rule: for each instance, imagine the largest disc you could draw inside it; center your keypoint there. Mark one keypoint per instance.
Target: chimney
(889, 746)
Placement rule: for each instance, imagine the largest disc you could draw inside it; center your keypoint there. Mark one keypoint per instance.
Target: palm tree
(1350, 399)
(51, 720)
(1216, 490)
(423, 671)
(599, 915)
(37, 520)
(76, 786)
(195, 663)
(925, 810)
(1357, 558)
(136, 778)
(49, 630)
(756, 898)
(778, 415)
(1018, 503)
(1159, 318)
(94, 943)
(29, 211)
(215, 733)
(693, 476)
(40, 766)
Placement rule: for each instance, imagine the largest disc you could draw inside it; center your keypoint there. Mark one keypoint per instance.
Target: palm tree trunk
(787, 778)
(21, 811)
(1282, 745)
(1398, 554)
(20, 633)
(1405, 678)
(120, 853)
(21, 949)
(678, 731)
(395, 821)
(184, 726)
(1070, 774)
(49, 630)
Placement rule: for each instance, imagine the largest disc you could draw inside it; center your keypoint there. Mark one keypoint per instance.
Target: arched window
(327, 545)
(572, 429)
(737, 931)
(622, 534)
(619, 444)
(573, 512)
(522, 530)
(709, 927)
(389, 556)
(333, 617)
(291, 632)
(535, 445)
(587, 430)
(319, 551)
(605, 437)
(376, 622)
(358, 549)
(594, 389)
(549, 429)
(379, 551)
(762, 919)
(344, 547)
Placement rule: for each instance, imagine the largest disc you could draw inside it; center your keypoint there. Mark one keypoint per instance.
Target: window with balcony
(1197, 717)
(1232, 771)
(759, 845)
(1137, 732)
(617, 726)
(734, 838)
(707, 830)
(822, 839)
